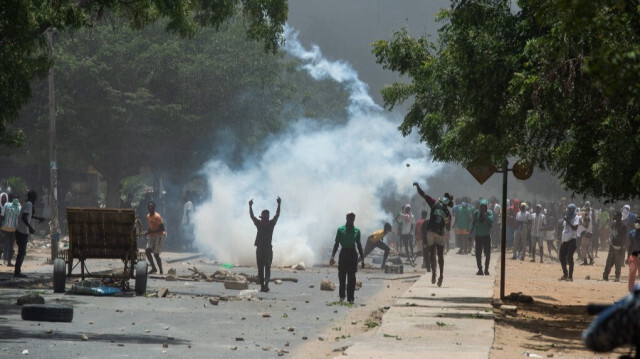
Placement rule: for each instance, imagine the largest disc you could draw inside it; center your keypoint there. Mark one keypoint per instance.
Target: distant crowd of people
(571, 233)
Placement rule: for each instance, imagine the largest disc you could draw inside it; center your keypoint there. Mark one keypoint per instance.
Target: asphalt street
(186, 323)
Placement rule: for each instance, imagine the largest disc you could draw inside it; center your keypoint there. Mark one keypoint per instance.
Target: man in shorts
(156, 236)
(436, 234)
(375, 240)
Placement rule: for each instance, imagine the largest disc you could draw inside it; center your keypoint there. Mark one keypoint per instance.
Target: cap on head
(351, 214)
(627, 207)
(483, 202)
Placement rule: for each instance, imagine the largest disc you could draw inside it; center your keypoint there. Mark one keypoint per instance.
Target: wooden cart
(101, 233)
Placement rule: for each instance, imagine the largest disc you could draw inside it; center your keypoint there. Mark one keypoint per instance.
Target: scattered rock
(312, 286)
(85, 337)
(587, 277)
(239, 339)
(509, 310)
(266, 315)
(171, 271)
(171, 278)
(162, 292)
(30, 298)
(234, 348)
(358, 284)
(49, 331)
(214, 301)
(277, 281)
(327, 285)
(165, 345)
(248, 293)
(300, 266)
(291, 329)
(519, 297)
(236, 285)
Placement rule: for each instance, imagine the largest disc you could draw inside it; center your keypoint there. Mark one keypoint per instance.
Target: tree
(23, 55)
(550, 82)
(129, 99)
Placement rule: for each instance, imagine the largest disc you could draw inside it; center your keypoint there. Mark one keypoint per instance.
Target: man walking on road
(23, 231)
(348, 236)
(264, 237)
(439, 219)
(569, 239)
(421, 239)
(482, 223)
(156, 236)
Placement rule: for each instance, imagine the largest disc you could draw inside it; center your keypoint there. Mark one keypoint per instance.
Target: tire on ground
(47, 312)
(59, 275)
(141, 277)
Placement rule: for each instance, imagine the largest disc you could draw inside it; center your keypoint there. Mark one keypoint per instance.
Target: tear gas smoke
(320, 172)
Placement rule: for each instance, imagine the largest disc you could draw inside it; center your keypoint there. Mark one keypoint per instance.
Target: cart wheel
(141, 277)
(47, 312)
(59, 276)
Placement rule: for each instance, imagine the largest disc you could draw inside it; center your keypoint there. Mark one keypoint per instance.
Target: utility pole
(53, 165)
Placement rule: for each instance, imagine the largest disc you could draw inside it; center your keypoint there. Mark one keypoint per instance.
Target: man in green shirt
(482, 222)
(348, 236)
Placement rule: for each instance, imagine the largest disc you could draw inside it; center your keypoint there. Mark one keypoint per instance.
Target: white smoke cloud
(321, 173)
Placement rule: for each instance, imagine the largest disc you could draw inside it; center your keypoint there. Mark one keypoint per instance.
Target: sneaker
(486, 272)
(605, 278)
(433, 277)
(341, 299)
(19, 275)
(569, 279)
(564, 277)
(533, 260)
(350, 301)
(266, 288)
(479, 272)
(440, 281)
(152, 271)
(617, 279)
(9, 264)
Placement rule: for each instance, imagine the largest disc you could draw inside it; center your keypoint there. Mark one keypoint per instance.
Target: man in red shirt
(421, 239)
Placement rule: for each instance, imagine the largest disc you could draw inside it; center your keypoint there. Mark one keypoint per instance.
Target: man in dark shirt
(264, 249)
(439, 220)
(348, 236)
(616, 246)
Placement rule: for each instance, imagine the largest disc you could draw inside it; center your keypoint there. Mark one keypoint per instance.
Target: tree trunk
(113, 189)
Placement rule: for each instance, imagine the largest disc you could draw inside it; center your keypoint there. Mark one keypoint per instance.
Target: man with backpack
(439, 220)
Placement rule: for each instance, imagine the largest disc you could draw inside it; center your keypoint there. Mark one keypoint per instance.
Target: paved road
(186, 325)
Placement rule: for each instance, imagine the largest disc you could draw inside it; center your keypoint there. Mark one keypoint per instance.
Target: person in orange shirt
(156, 236)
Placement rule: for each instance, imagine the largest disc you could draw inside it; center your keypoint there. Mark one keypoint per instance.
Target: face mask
(445, 200)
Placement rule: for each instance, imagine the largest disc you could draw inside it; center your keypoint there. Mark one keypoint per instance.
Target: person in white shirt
(187, 221)
(523, 222)
(538, 231)
(569, 239)
(407, 231)
(585, 233)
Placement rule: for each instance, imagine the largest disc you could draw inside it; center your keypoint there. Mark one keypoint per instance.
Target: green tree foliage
(128, 99)
(23, 51)
(553, 82)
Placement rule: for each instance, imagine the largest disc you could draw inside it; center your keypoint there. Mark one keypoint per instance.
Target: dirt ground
(551, 326)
